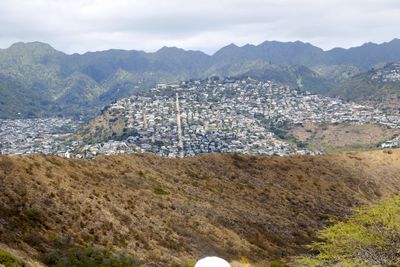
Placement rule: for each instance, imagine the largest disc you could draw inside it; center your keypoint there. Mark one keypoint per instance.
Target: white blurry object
(212, 262)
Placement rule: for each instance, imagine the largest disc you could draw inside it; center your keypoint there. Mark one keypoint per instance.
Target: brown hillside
(343, 136)
(166, 210)
(110, 124)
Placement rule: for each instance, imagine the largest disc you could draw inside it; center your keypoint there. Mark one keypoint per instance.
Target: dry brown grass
(343, 135)
(171, 210)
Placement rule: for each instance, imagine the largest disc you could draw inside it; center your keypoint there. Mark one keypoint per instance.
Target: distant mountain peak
(32, 49)
(34, 45)
(169, 48)
(165, 47)
(370, 44)
(228, 50)
(288, 44)
(249, 45)
(232, 45)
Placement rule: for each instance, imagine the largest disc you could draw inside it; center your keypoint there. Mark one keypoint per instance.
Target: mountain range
(37, 80)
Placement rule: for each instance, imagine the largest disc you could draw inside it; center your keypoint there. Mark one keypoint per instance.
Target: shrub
(244, 260)
(388, 151)
(33, 214)
(187, 264)
(371, 237)
(160, 191)
(89, 257)
(276, 263)
(9, 260)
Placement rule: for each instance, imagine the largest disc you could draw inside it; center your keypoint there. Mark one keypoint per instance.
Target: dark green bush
(89, 257)
(160, 191)
(33, 214)
(9, 260)
(276, 263)
(188, 264)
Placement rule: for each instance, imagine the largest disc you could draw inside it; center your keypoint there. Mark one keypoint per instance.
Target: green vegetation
(160, 191)
(283, 133)
(371, 237)
(37, 80)
(276, 263)
(362, 87)
(33, 214)
(328, 149)
(337, 73)
(9, 260)
(187, 264)
(89, 257)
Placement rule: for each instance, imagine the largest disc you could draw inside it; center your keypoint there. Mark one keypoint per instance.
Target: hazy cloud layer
(207, 25)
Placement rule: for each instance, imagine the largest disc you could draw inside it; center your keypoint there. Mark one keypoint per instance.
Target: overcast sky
(207, 25)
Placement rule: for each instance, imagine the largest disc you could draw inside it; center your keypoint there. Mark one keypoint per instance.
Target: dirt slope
(166, 210)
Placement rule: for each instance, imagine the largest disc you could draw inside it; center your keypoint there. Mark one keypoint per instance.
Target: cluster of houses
(395, 142)
(195, 117)
(221, 116)
(391, 74)
(44, 135)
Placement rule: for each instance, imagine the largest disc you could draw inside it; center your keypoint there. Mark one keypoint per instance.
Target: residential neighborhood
(395, 142)
(387, 75)
(224, 116)
(43, 135)
(194, 117)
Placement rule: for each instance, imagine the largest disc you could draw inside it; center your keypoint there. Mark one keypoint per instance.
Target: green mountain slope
(61, 84)
(16, 101)
(380, 87)
(294, 76)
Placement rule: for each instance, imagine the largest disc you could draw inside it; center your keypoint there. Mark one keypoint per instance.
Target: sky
(78, 26)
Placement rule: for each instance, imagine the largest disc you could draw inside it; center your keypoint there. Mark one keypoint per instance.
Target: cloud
(90, 25)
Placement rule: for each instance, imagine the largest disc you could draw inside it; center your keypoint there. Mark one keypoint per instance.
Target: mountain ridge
(381, 87)
(198, 50)
(43, 70)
